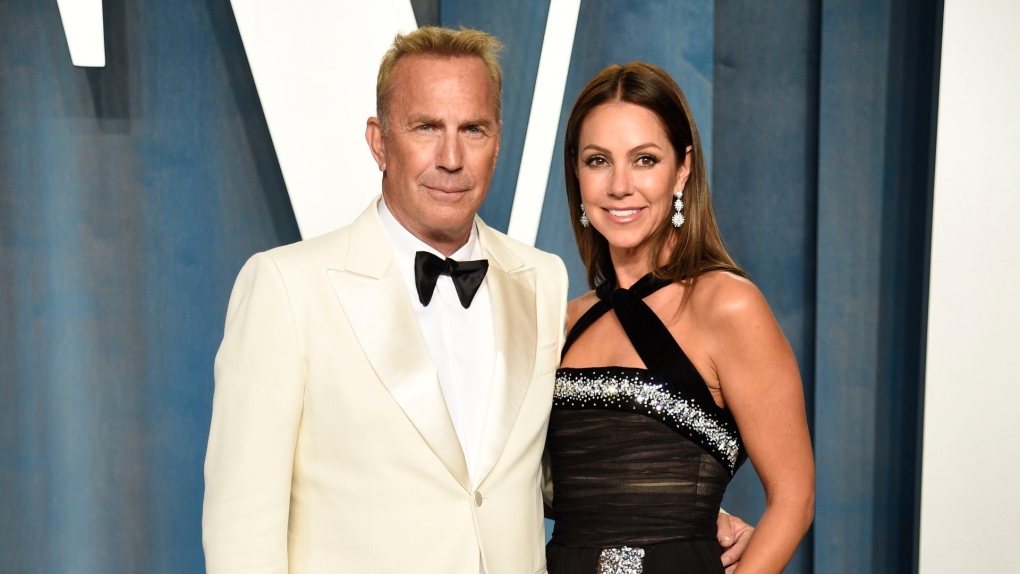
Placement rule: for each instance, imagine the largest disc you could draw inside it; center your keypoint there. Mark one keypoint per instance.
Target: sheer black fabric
(626, 479)
(640, 457)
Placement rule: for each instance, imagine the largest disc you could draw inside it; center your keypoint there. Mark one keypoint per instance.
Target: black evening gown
(640, 458)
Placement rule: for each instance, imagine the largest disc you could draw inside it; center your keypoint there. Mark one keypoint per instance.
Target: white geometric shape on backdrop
(546, 105)
(971, 390)
(314, 63)
(83, 28)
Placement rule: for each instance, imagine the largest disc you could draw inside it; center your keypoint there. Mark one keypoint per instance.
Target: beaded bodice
(639, 455)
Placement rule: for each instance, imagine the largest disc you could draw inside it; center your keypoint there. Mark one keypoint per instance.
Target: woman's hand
(734, 534)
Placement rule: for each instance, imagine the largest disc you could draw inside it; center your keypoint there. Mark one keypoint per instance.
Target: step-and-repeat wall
(148, 148)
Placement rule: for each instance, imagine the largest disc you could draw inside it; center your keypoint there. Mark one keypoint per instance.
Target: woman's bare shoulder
(722, 298)
(578, 307)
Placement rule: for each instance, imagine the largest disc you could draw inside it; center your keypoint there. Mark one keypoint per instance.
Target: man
(377, 407)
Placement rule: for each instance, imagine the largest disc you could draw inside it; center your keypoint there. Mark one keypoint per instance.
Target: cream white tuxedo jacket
(331, 448)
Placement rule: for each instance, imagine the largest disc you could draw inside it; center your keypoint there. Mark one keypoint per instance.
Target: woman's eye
(596, 161)
(647, 161)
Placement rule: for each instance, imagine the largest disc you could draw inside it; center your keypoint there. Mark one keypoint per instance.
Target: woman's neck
(629, 266)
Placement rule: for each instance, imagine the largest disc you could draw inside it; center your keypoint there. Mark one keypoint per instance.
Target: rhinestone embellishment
(678, 215)
(623, 560)
(617, 390)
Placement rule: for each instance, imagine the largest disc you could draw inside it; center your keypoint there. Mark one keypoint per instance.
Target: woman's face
(628, 172)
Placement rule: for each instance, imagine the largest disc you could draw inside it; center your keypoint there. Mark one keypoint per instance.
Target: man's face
(440, 148)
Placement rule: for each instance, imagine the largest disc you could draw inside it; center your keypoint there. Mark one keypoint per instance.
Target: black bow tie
(467, 276)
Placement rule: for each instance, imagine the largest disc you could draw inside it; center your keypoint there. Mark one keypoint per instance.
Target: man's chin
(452, 212)
(452, 226)
(450, 223)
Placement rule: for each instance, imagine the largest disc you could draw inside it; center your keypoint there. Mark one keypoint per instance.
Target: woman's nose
(620, 184)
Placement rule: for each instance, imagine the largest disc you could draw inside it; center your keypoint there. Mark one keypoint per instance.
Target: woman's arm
(760, 384)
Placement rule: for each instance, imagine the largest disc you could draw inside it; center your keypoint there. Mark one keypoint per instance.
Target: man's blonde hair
(444, 43)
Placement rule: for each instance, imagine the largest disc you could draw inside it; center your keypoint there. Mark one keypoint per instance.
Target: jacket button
(478, 498)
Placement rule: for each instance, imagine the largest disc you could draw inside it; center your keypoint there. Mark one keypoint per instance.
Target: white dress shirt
(461, 342)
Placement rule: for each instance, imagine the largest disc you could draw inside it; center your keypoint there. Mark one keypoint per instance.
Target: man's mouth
(448, 188)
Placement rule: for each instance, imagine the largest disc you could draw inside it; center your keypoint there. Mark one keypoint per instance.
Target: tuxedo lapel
(375, 300)
(512, 292)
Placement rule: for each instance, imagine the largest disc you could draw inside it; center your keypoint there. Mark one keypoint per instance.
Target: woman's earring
(584, 217)
(678, 217)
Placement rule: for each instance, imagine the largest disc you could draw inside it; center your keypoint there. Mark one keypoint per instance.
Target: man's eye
(425, 127)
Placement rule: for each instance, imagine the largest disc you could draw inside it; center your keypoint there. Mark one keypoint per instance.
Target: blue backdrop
(131, 195)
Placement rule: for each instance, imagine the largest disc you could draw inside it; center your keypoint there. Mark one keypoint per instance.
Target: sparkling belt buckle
(623, 560)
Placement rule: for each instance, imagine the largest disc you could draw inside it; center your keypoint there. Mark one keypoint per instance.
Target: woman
(674, 370)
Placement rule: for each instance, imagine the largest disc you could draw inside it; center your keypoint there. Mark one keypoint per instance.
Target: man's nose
(449, 156)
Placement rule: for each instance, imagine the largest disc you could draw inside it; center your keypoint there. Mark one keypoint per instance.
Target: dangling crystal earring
(678, 217)
(584, 217)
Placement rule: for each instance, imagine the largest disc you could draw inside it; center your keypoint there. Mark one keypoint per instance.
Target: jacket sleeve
(257, 404)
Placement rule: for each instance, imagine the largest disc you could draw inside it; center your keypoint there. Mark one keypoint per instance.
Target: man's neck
(445, 245)
(447, 248)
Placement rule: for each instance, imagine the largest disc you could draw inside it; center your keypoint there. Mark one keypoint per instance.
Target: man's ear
(499, 137)
(376, 143)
